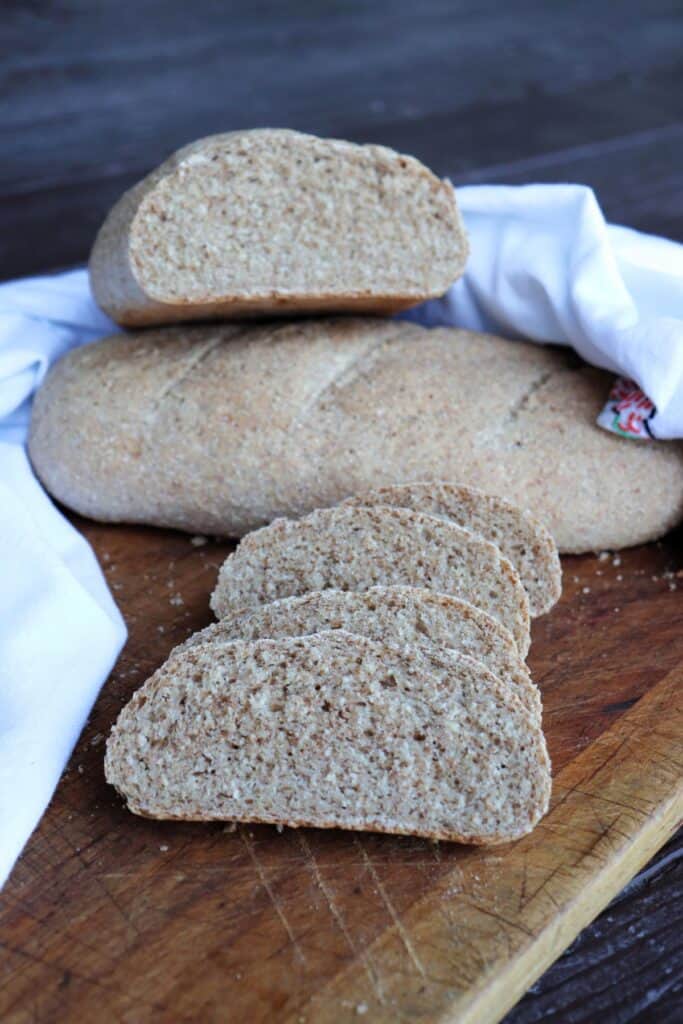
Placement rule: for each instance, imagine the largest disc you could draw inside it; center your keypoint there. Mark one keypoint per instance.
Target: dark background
(94, 93)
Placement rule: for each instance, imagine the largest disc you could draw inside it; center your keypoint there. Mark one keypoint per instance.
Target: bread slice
(397, 615)
(275, 222)
(358, 548)
(331, 730)
(520, 536)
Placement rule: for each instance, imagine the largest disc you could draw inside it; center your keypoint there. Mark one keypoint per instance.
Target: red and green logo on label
(628, 411)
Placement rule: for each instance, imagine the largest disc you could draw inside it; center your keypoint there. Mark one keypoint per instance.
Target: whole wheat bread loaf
(358, 548)
(397, 615)
(331, 730)
(520, 536)
(221, 429)
(271, 222)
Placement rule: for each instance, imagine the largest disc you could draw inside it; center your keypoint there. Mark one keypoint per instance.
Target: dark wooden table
(94, 94)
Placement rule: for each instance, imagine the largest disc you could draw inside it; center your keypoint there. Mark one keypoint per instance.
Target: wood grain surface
(112, 917)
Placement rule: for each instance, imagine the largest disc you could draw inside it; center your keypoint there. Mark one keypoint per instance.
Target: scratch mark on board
(277, 904)
(359, 954)
(400, 927)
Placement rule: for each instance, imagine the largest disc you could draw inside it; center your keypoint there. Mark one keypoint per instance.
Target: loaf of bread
(221, 429)
(521, 538)
(331, 730)
(397, 615)
(358, 548)
(272, 222)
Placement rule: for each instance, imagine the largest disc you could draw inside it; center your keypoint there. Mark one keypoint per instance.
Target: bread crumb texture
(331, 730)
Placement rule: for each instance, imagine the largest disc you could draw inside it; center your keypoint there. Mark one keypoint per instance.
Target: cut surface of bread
(358, 548)
(330, 730)
(397, 615)
(520, 536)
(272, 221)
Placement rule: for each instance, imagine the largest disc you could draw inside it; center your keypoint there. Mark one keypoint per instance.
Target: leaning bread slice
(358, 548)
(399, 615)
(276, 222)
(520, 536)
(331, 730)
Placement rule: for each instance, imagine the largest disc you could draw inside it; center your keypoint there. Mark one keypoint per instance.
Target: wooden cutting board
(111, 917)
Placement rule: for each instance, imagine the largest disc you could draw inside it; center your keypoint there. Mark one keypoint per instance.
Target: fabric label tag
(628, 411)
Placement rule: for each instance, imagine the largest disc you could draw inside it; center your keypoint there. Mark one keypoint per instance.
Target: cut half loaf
(275, 222)
(331, 730)
(358, 548)
(520, 536)
(397, 615)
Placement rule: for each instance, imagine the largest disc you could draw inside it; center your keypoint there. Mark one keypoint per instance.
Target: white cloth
(60, 631)
(543, 265)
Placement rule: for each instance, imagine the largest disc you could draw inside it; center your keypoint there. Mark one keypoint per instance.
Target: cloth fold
(60, 631)
(543, 265)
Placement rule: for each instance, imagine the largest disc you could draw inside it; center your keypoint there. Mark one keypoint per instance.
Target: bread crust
(221, 429)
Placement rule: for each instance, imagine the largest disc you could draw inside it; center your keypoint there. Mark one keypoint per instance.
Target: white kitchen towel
(543, 265)
(60, 631)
